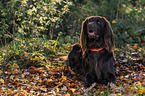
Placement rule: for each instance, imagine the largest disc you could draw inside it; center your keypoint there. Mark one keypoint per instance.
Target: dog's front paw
(89, 80)
(77, 47)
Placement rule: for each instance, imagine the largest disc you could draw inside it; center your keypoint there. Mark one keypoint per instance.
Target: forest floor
(20, 74)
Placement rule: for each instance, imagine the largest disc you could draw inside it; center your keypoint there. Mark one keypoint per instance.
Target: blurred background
(47, 18)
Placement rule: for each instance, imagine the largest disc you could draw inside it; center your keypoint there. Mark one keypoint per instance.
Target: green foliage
(128, 16)
(31, 18)
(42, 18)
(35, 51)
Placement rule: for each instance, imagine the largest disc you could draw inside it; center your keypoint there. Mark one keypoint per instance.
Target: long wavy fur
(94, 66)
(108, 35)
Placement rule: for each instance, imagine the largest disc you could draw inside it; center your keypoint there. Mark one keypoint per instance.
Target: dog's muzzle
(92, 31)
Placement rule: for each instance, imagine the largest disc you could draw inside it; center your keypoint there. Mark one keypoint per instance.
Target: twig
(140, 30)
(9, 32)
(1, 42)
(72, 72)
(93, 85)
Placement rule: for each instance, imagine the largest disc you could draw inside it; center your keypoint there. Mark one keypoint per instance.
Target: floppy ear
(83, 37)
(109, 37)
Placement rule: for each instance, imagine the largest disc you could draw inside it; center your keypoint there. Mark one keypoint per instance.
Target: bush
(41, 18)
(31, 18)
(128, 16)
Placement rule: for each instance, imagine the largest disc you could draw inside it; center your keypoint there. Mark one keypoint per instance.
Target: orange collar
(96, 49)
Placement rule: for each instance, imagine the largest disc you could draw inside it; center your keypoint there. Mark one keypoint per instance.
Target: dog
(94, 56)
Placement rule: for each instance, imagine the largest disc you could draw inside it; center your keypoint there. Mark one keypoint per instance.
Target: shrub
(127, 14)
(31, 18)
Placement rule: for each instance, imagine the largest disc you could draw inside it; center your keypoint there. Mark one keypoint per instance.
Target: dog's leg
(75, 59)
(89, 79)
(109, 73)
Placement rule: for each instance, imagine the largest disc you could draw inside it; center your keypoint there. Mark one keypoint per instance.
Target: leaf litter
(60, 80)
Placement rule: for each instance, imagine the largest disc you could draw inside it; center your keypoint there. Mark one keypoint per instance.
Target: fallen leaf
(1, 72)
(57, 90)
(64, 88)
(64, 77)
(67, 94)
(1, 80)
(15, 65)
(28, 89)
(68, 47)
(72, 85)
(135, 47)
(72, 89)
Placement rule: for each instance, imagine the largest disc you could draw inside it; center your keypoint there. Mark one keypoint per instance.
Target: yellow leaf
(63, 77)
(114, 21)
(25, 52)
(38, 15)
(67, 94)
(121, 77)
(68, 47)
(139, 83)
(116, 49)
(43, 86)
(141, 91)
(73, 90)
(30, 44)
(1, 72)
(140, 48)
(22, 75)
(57, 90)
(36, 57)
(9, 93)
(16, 94)
(50, 80)
(30, 5)
(15, 65)
(39, 81)
(1, 80)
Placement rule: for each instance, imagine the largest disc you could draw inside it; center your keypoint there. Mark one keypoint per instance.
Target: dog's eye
(98, 22)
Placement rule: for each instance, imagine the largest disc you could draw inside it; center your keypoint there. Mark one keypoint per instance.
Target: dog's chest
(94, 58)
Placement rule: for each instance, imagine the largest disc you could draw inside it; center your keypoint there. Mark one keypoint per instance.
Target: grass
(34, 49)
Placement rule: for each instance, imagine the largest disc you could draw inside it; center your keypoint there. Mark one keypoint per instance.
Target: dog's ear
(108, 36)
(83, 37)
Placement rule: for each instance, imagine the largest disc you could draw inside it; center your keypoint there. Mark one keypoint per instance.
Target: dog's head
(95, 27)
(98, 29)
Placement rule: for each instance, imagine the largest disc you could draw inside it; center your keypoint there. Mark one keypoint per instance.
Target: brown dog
(94, 56)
